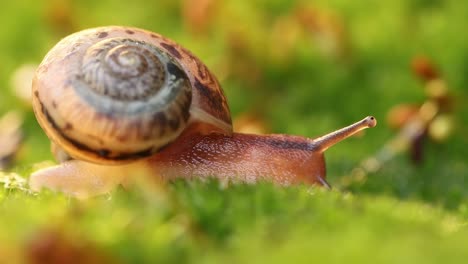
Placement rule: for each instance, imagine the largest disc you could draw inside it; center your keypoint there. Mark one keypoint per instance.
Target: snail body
(117, 100)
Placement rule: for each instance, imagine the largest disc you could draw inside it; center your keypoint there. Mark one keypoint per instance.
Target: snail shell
(115, 94)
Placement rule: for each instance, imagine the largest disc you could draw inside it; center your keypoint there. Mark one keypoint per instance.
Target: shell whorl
(111, 99)
(123, 69)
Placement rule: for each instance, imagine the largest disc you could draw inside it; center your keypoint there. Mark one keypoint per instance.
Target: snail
(119, 101)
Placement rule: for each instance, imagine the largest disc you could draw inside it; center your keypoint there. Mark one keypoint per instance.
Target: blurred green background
(296, 67)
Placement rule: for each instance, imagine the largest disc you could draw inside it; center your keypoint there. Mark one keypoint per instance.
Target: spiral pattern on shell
(109, 99)
(123, 69)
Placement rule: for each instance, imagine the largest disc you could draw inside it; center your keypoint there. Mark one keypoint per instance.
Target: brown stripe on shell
(103, 34)
(127, 156)
(201, 76)
(203, 71)
(68, 126)
(172, 50)
(56, 127)
(207, 84)
(159, 120)
(186, 103)
(170, 120)
(174, 123)
(214, 100)
(141, 130)
(103, 153)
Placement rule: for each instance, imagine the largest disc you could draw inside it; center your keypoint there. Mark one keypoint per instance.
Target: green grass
(201, 222)
(399, 214)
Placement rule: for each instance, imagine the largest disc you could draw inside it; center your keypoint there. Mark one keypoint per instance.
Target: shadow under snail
(119, 101)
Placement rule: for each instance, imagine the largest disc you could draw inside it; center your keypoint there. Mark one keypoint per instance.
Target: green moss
(198, 222)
